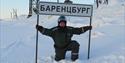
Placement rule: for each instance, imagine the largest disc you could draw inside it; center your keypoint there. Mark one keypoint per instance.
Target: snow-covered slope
(17, 37)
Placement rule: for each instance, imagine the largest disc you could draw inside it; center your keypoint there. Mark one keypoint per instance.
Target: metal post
(36, 55)
(90, 35)
(30, 8)
(89, 40)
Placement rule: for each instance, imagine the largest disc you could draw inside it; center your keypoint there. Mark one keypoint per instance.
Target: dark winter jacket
(62, 36)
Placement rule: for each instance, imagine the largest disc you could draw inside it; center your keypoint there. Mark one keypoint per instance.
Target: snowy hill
(17, 37)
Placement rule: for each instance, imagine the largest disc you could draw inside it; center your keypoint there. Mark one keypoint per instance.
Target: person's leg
(74, 47)
(97, 3)
(107, 1)
(59, 54)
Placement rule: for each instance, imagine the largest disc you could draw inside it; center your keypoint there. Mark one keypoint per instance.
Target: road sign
(53, 8)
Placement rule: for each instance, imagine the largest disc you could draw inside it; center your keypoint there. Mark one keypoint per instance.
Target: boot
(74, 57)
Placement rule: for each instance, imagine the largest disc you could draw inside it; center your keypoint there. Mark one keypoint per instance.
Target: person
(97, 3)
(62, 35)
(105, 1)
(68, 2)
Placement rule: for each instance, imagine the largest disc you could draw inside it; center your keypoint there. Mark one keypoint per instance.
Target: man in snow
(62, 35)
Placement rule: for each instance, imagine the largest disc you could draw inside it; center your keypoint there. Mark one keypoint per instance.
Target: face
(62, 24)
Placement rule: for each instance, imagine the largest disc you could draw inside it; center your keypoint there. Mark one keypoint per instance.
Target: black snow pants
(61, 52)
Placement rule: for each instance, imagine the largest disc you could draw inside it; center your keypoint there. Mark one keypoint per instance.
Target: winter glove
(86, 28)
(39, 27)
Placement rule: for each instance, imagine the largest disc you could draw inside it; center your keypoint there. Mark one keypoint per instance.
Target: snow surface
(18, 36)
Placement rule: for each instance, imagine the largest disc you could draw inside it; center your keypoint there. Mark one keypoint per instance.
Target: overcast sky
(6, 6)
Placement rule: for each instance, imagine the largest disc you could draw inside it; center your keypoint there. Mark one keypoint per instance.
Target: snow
(18, 36)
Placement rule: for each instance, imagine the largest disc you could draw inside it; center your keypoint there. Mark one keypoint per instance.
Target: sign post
(83, 10)
(54, 8)
(89, 38)
(36, 53)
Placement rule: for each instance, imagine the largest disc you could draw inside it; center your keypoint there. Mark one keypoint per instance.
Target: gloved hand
(39, 27)
(87, 28)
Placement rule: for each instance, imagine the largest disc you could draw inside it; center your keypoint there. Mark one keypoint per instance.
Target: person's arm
(86, 28)
(81, 29)
(43, 30)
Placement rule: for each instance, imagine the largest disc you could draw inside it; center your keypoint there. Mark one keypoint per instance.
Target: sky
(7, 6)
